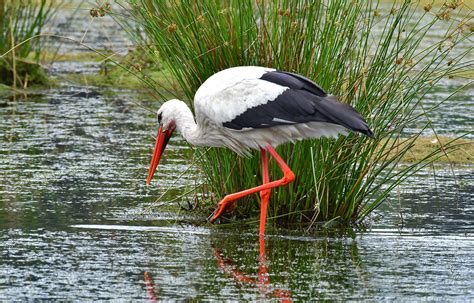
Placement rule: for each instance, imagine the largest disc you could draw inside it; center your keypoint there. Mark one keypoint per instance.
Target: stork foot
(223, 207)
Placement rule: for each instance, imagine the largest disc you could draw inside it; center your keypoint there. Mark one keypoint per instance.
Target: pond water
(76, 221)
(74, 225)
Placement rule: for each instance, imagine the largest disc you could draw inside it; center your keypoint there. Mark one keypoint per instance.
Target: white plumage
(231, 92)
(226, 95)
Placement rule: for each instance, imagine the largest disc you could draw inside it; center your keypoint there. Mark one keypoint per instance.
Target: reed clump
(20, 51)
(369, 54)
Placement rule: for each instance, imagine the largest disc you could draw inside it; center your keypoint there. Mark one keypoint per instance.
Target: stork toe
(223, 206)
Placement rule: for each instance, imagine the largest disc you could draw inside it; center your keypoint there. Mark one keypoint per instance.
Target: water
(76, 222)
(72, 222)
(184, 262)
(452, 118)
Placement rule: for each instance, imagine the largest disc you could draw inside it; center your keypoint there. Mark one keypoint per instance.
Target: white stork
(252, 107)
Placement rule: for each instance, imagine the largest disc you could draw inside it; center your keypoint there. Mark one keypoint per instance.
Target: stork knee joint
(264, 194)
(289, 177)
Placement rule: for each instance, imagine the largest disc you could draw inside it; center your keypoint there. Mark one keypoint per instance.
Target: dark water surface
(74, 221)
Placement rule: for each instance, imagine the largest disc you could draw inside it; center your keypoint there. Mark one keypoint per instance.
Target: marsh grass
(19, 22)
(383, 73)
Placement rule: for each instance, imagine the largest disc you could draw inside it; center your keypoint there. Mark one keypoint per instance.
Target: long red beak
(161, 140)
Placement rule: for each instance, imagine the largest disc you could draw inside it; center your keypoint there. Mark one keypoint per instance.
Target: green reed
(383, 75)
(20, 22)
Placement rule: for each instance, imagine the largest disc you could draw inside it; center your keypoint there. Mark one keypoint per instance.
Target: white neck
(204, 134)
(186, 126)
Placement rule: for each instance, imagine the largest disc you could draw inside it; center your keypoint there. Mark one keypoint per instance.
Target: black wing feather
(303, 102)
(294, 81)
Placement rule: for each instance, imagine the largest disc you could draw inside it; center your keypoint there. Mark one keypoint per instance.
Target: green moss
(27, 73)
(120, 77)
(467, 74)
(463, 153)
(438, 3)
(467, 3)
(135, 70)
(76, 57)
(4, 90)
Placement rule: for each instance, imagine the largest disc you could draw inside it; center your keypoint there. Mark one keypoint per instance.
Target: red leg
(150, 287)
(263, 279)
(227, 266)
(288, 176)
(264, 194)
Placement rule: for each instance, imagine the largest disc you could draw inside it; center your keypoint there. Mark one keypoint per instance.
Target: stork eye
(159, 118)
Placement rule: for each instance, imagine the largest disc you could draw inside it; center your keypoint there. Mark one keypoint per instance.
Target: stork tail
(342, 114)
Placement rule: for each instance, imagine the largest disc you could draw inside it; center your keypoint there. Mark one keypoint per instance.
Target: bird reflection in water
(150, 287)
(262, 282)
(227, 265)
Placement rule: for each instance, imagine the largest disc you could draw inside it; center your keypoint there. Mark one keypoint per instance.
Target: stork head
(168, 114)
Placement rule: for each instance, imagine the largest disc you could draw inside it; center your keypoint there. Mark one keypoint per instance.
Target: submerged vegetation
(20, 51)
(462, 153)
(384, 75)
(135, 70)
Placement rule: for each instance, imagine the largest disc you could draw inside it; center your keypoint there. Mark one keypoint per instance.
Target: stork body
(253, 107)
